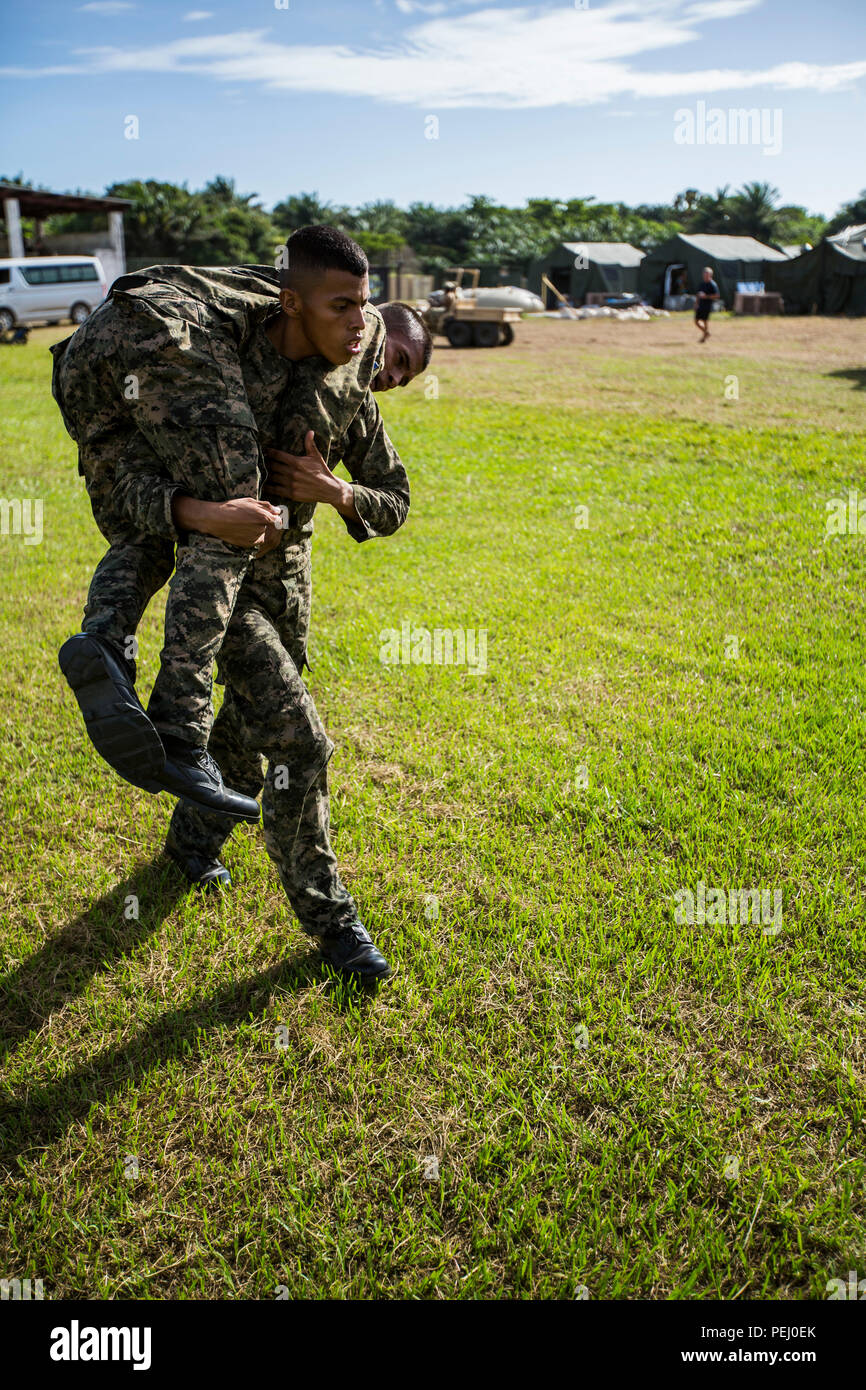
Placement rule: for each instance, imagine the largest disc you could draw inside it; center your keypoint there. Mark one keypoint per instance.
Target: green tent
(831, 279)
(577, 268)
(731, 258)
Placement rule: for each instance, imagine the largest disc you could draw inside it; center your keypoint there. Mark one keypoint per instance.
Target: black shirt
(705, 305)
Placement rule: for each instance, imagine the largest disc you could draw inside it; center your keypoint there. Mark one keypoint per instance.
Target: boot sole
(356, 977)
(119, 730)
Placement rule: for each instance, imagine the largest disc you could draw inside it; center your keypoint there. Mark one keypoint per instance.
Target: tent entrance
(676, 287)
(562, 280)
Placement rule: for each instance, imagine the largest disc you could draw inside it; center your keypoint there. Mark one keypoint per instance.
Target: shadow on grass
(46, 1110)
(855, 374)
(90, 944)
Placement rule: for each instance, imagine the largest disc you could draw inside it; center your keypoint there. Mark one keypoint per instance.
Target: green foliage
(752, 211)
(850, 215)
(219, 225)
(216, 226)
(305, 210)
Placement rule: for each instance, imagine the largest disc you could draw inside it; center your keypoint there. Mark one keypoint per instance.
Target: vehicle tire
(79, 312)
(486, 334)
(458, 333)
(507, 335)
(7, 320)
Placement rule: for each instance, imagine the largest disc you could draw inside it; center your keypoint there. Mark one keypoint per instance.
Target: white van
(46, 289)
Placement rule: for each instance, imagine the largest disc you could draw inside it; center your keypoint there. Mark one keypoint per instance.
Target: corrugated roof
(39, 202)
(606, 252)
(732, 248)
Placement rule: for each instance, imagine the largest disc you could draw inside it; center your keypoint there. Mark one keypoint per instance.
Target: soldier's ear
(290, 303)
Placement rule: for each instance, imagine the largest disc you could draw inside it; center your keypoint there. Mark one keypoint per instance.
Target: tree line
(217, 225)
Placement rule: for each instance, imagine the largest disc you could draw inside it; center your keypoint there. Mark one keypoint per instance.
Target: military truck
(459, 315)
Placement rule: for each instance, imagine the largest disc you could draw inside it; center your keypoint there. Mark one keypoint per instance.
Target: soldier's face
(331, 313)
(403, 361)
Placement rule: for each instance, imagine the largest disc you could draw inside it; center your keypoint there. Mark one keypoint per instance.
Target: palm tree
(165, 222)
(754, 211)
(306, 209)
(712, 213)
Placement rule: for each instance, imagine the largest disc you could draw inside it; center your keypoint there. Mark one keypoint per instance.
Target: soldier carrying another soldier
(282, 388)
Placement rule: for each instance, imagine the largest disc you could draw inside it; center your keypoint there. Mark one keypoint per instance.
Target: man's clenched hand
(243, 521)
(272, 538)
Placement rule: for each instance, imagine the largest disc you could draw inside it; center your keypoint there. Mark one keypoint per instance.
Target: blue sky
(570, 98)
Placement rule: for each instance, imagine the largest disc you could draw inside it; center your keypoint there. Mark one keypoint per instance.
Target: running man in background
(707, 295)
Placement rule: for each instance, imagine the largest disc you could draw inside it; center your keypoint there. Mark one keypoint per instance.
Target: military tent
(578, 267)
(831, 279)
(677, 265)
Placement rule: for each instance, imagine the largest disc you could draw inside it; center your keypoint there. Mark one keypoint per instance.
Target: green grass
(614, 1100)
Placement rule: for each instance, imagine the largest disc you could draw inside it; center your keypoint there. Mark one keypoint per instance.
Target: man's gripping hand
(273, 535)
(307, 478)
(243, 521)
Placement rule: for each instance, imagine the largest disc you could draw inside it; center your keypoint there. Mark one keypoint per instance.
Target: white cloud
(417, 7)
(195, 15)
(717, 9)
(499, 58)
(105, 7)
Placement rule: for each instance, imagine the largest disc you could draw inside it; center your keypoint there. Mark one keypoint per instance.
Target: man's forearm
(192, 514)
(345, 503)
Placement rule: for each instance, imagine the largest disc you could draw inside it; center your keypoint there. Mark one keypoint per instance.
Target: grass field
(564, 1090)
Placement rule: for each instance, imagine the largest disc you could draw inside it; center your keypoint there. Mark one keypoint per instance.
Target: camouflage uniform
(154, 378)
(268, 714)
(268, 711)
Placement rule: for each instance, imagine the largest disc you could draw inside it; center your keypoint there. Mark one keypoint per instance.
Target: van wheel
(7, 320)
(79, 312)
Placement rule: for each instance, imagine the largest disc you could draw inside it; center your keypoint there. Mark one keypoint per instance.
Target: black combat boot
(351, 951)
(202, 872)
(123, 734)
(102, 681)
(191, 773)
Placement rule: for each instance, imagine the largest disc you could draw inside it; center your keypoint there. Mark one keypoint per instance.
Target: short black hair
(402, 318)
(313, 250)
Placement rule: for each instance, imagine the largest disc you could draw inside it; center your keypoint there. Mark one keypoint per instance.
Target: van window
(78, 272)
(4, 275)
(57, 274)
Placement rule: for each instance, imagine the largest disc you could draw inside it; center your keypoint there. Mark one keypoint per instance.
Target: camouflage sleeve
(379, 482)
(143, 490)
